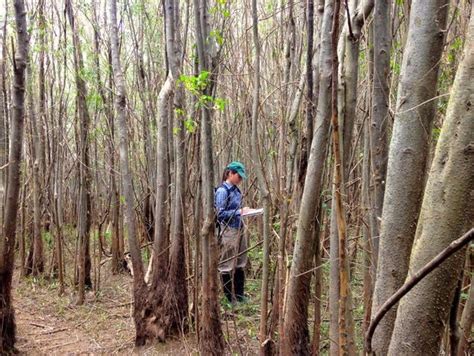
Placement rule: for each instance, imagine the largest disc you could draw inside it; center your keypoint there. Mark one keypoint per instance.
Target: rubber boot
(227, 286)
(239, 280)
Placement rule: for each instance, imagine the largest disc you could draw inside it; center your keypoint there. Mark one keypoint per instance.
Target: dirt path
(40, 333)
(51, 325)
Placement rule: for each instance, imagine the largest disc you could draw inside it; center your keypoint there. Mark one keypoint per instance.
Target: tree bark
(467, 319)
(176, 300)
(265, 346)
(7, 241)
(380, 115)
(127, 183)
(296, 338)
(422, 315)
(211, 337)
(408, 154)
(84, 199)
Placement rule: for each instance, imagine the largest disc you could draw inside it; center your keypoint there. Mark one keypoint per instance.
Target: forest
(130, 128)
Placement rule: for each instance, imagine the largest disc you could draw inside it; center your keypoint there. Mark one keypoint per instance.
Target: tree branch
(422, 273)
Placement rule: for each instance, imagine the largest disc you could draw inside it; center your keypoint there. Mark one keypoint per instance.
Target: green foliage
(455, 49)
(216, 34)
(190, 125)
(48, 238)
(435, 132)
(220, 8)
(196, 85)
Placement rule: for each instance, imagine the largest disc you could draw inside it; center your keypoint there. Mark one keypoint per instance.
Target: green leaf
(190, 125)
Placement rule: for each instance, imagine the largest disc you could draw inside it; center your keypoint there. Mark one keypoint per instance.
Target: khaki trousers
(232, 243)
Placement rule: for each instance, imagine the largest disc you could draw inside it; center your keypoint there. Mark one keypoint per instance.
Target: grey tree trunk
(7, 240)
(211, 336)
(423, 313)
(176, 300)
(83, 169)
(296, 338)
(35, 264)
(263, 189)
(127, 184)
(408, 154)
(380, 115)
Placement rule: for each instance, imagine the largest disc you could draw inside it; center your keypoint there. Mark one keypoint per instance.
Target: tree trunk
(380, 115)
(296, 338)
(176, 299)
(211, 337)
(139, 292)
(7, 241)
(423, 313)
(347, 97)
(265, 346)
(467, 319)
(84, 199)
(36, 263)
(408, 154)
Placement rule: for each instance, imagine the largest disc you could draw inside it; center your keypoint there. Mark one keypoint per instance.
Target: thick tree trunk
(408, 154)
(176, 299)
(296, 338)
(423, 313)
(211, 337)
(7, 241)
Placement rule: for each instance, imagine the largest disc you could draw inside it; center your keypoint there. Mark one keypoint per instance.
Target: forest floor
(51, 324)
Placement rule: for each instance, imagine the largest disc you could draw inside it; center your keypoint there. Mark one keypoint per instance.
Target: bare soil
(48, 324)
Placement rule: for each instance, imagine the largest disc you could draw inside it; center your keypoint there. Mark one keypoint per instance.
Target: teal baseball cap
(238, 167)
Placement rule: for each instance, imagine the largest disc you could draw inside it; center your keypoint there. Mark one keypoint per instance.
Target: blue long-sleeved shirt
(228, 203)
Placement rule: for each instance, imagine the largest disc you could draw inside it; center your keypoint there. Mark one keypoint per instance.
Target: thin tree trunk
(296, 338)
(423, 313)
(36, 263)
(265, 346)
(380, 115)
(467, 319)
(84, 200)
(7, 241)
(127, 184)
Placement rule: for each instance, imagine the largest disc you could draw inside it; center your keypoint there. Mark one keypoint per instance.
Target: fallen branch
(417, 277)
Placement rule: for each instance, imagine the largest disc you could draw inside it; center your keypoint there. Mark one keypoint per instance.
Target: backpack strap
(228, 191)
